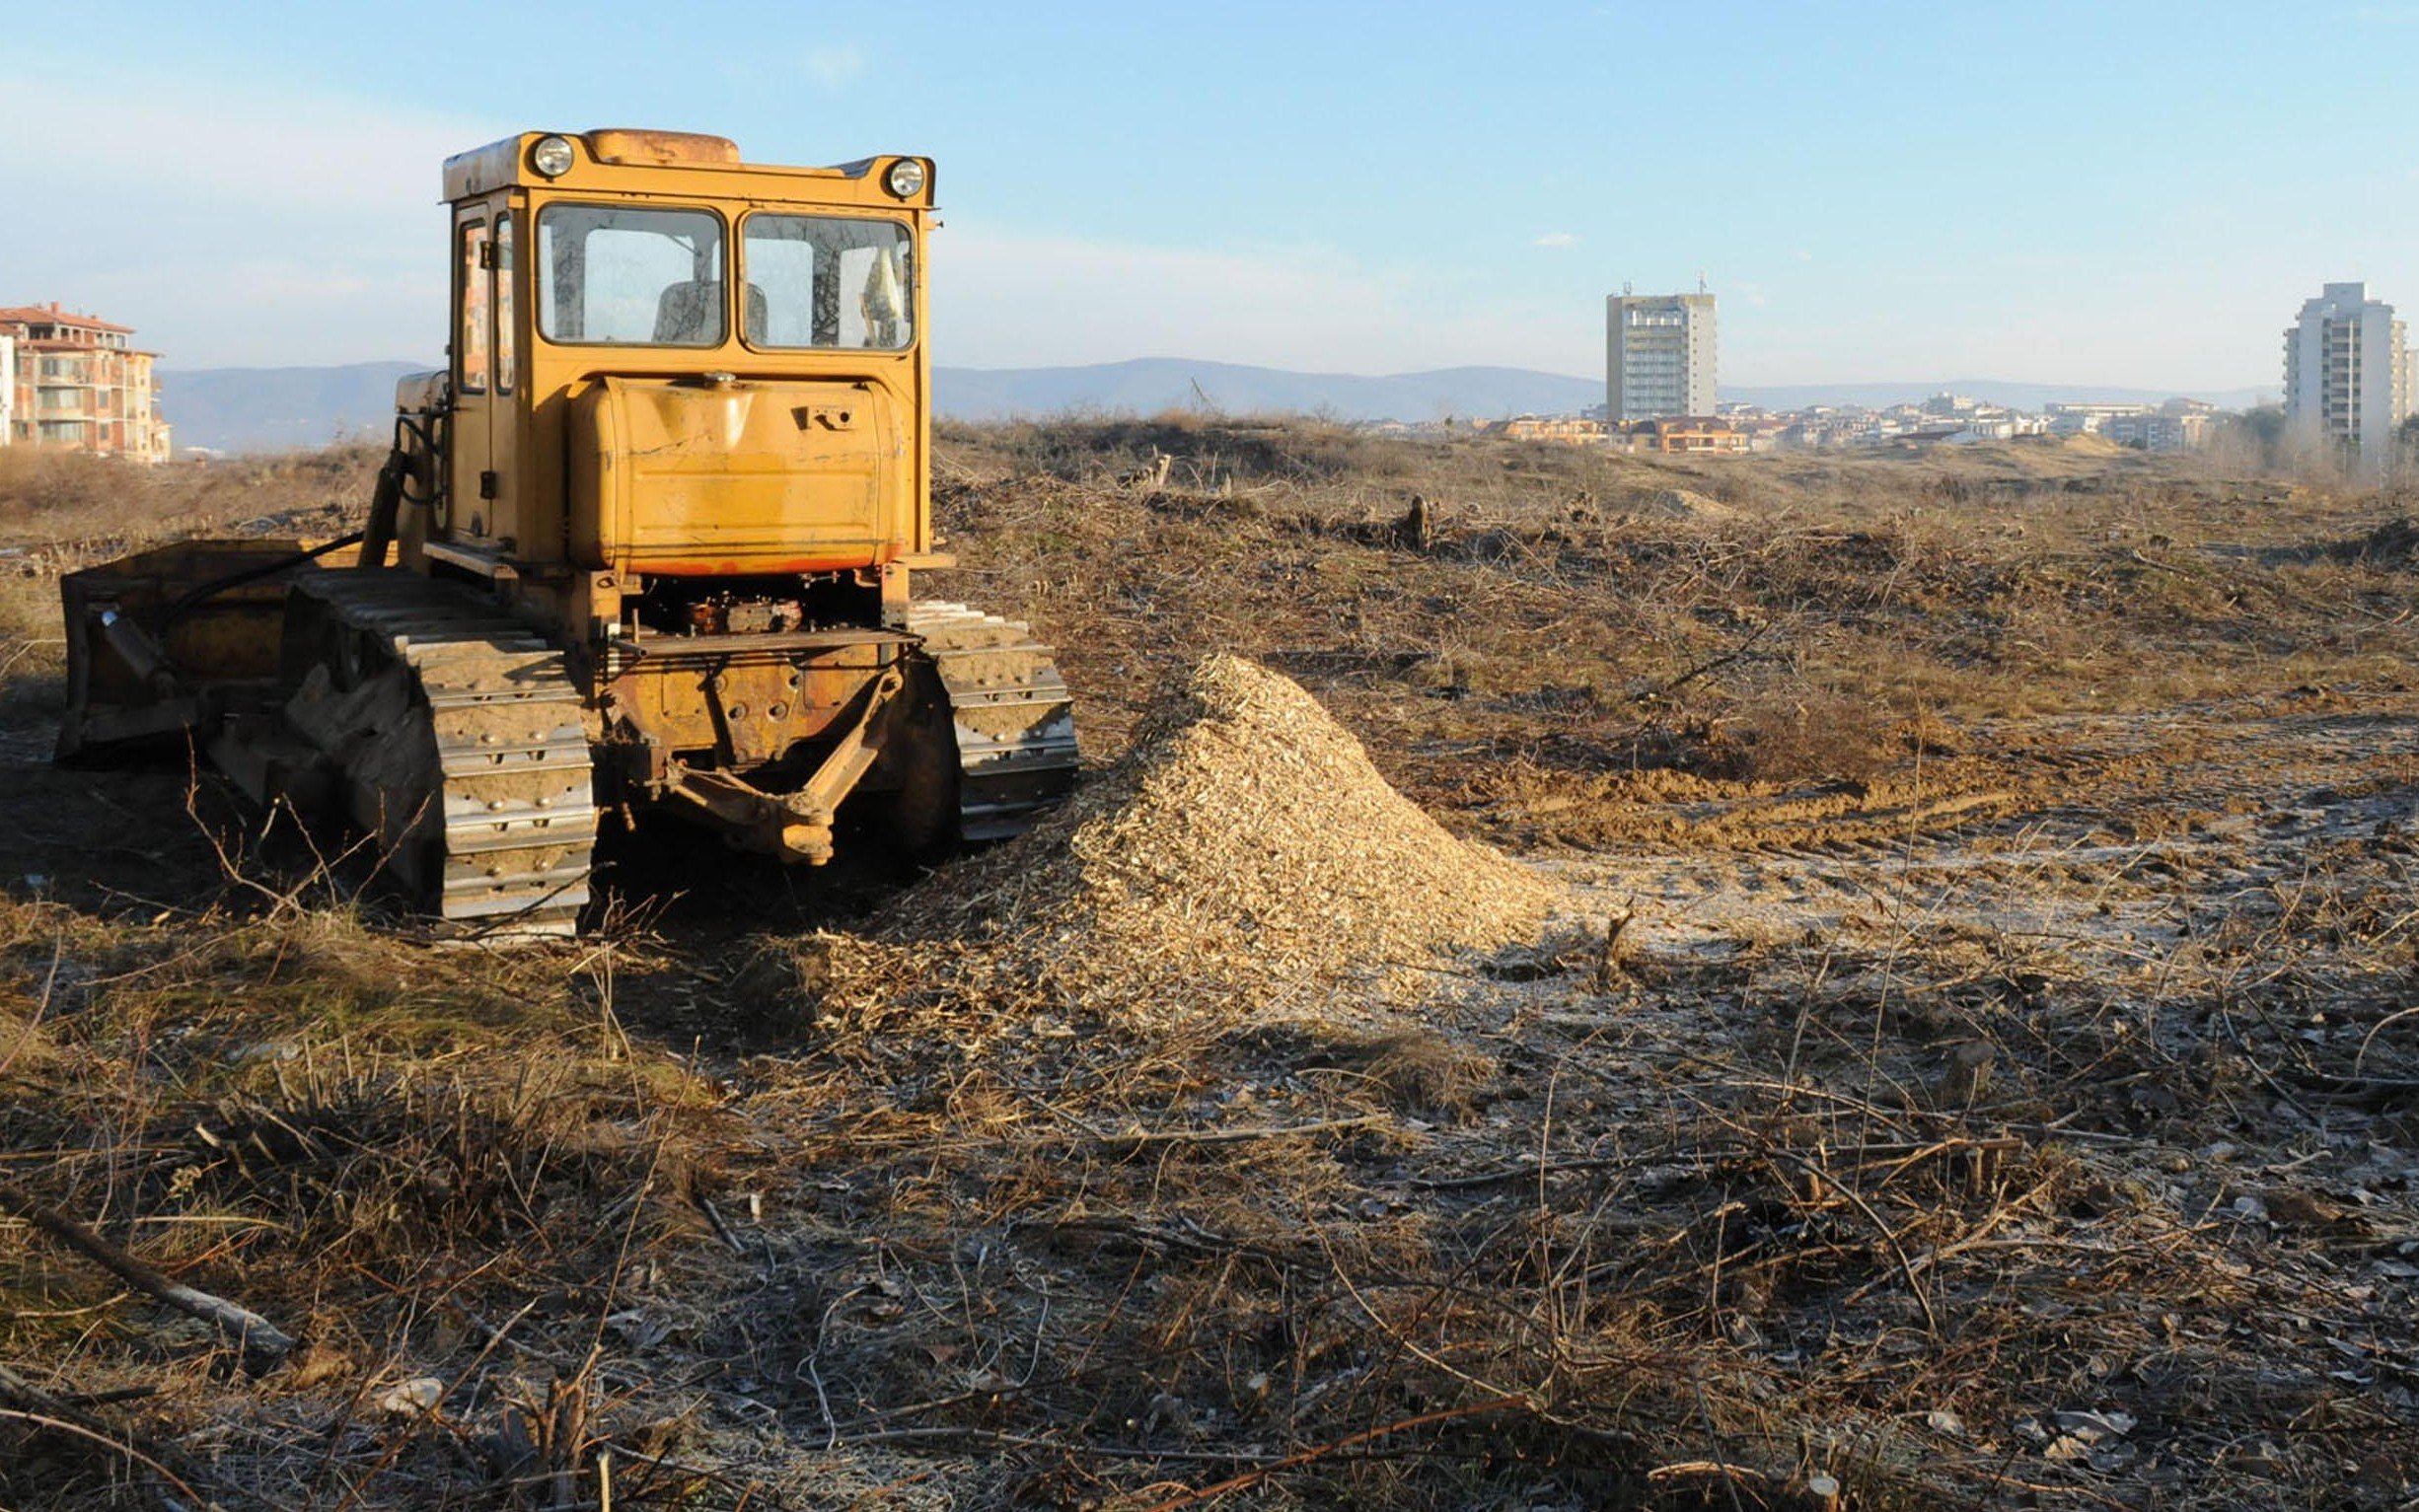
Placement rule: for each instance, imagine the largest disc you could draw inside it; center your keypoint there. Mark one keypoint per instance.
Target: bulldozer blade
(150, 655)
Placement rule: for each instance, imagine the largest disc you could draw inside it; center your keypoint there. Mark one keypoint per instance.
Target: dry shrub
(1817, 738)
(32, 646)
(393, 1167)
(1201, 452)
(1678, 1239)
(61, 487)
(1428, 1076)
(1539, 617)
(298, 1088)
(76, 504)
(2394, 542)
(63, 510)
(399, 1154)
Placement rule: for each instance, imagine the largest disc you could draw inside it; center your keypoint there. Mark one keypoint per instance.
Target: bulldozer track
(492, 816)
(1016, 720)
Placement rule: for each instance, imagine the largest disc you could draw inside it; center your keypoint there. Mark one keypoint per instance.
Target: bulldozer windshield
(815, 281)
(610, 275)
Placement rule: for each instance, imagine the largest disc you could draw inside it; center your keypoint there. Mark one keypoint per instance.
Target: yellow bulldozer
(645, 547)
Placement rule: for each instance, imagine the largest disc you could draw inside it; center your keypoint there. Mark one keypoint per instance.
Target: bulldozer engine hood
(732, 476)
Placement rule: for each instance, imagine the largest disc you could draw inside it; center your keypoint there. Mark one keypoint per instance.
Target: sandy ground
(2096, 844)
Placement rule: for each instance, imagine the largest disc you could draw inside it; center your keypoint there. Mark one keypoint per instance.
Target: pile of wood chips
(1243, 849)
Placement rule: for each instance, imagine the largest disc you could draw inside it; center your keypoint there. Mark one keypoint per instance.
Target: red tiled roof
(81, 348)
(52, 314)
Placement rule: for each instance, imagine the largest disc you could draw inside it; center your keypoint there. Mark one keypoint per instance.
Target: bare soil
(1970, 1064)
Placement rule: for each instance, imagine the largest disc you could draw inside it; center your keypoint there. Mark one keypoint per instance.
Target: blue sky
(2113, 194)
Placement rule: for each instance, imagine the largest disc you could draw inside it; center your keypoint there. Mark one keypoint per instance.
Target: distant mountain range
(254, 409)
(2014, 396)
(275, 410)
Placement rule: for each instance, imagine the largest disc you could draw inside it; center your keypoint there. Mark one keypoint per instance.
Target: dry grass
(2002, 1096)
(1553, 612)
(69, 502)
(388, 1148)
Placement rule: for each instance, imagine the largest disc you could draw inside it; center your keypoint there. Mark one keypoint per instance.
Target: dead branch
(1889, 1236)
(1707, 1157)
(258, 1340)
(50, 982)
(1707, 667)
(1608, 970)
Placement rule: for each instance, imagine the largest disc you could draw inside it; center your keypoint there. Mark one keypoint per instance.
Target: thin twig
(1241, 1136)
(1252, 1477)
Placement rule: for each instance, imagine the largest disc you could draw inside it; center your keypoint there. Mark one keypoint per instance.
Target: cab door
(506, 508)
(487, 376)
(471, 487)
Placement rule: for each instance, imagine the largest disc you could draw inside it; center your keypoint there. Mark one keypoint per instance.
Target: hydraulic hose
(188, 601)
(386, 509)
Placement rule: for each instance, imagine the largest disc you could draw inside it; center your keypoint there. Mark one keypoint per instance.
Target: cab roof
(627, 159)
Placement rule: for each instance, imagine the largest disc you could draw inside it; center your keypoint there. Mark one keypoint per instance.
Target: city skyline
(1892, 194)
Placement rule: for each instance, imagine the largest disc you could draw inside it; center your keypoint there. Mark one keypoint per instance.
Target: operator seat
(690, 314)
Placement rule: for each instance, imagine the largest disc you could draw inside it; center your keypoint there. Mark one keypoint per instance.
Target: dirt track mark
(2153, 815)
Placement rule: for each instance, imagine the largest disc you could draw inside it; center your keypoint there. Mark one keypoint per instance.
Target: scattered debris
(412, 1398)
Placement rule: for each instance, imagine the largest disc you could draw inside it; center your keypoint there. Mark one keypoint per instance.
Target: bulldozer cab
(668, 363)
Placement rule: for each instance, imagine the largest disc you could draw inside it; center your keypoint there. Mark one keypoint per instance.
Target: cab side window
(503, 304)
(470, 336)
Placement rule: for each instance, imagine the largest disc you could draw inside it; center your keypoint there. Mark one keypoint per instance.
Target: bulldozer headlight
(551, 156)
(906, 179)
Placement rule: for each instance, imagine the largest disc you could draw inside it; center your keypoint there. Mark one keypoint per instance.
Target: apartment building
(2083, 419)
(2160, 431)
(2347, 374)
(79, 382)
(1567, 430)
(1683, 433)
(1658, 355)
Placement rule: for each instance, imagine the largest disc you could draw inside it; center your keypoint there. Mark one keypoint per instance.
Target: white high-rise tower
(1658, 355)
(2347, 377)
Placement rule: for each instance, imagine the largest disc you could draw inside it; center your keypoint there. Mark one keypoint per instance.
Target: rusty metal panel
(741, 702)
